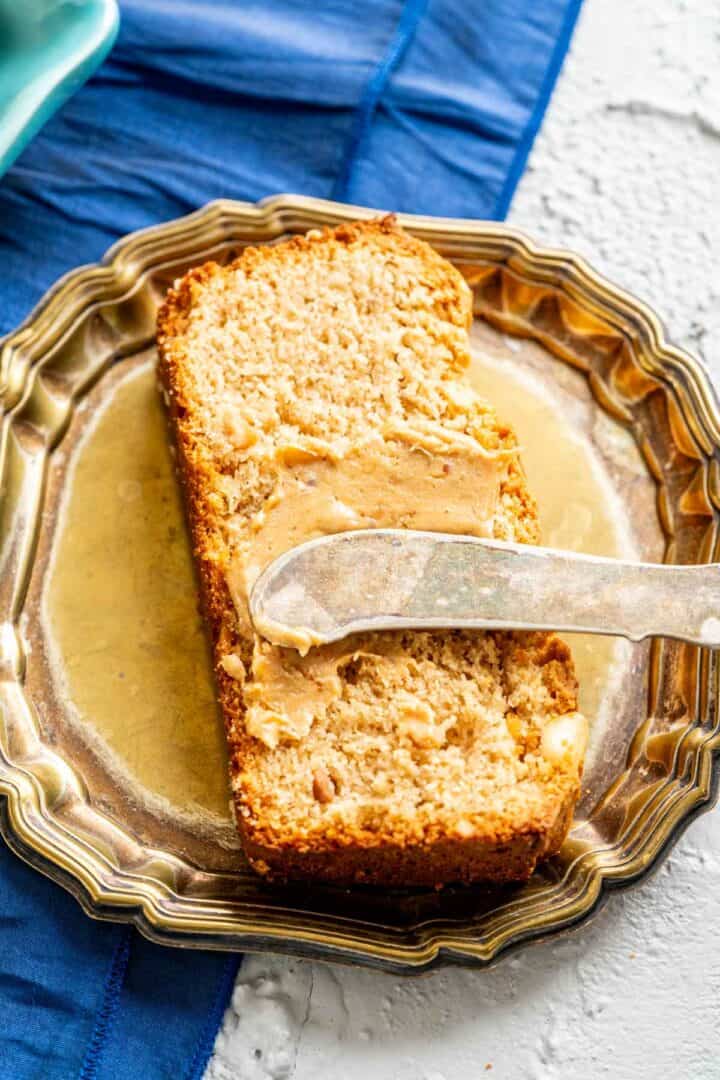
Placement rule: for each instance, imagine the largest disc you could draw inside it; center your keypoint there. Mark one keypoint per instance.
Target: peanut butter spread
(422, 476)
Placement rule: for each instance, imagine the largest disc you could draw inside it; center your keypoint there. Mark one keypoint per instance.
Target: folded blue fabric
(423, 105)
(95, 1000)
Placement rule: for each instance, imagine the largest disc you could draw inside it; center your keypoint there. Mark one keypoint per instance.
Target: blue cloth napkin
(423, 105)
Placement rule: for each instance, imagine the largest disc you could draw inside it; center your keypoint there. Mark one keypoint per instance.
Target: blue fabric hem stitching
(533, 126)
(214, 1018)
(109, 1007)
(407, 25)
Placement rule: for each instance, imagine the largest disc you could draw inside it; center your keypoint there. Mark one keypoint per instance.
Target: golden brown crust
(389, 857)
(423, 865)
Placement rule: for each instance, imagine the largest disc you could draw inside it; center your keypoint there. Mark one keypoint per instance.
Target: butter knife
(390, 579)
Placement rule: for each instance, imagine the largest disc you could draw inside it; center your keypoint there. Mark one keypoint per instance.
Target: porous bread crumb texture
(442, 756)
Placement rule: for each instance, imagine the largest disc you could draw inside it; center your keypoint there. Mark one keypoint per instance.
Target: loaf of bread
(318, 385)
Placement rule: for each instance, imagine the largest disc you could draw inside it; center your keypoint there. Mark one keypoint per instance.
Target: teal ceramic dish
(48, 49)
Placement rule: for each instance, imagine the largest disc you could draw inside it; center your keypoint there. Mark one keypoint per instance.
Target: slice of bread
(317, 385)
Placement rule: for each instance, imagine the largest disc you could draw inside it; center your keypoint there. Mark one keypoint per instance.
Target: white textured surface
(626, 171)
